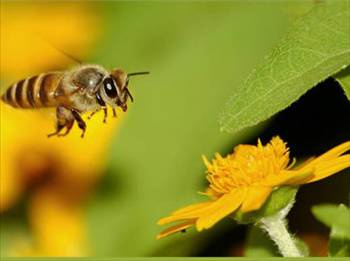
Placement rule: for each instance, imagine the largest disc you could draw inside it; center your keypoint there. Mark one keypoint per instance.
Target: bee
(85, 88)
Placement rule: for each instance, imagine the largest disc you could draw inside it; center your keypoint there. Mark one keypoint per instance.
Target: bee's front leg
(80, 121)
(92, 114)
(105, 115)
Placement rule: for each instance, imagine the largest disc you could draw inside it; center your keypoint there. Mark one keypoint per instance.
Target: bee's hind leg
(68, 126)
(80, 121)
(64, 119)
(58, 129)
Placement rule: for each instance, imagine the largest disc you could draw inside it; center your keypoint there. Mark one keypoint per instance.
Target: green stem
(276, 227)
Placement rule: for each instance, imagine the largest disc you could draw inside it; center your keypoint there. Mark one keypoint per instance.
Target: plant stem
(276, 227)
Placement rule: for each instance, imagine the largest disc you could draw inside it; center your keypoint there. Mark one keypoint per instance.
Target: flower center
(246, 166)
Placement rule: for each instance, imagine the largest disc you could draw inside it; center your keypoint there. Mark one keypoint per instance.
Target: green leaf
(277, 200)
(343, 77)
(302, 246)
(339, 247)
(258, 244)
(316, 47)
(338, 219)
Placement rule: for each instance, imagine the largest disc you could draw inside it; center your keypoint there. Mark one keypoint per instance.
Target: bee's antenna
(137, 73)
(128, 92)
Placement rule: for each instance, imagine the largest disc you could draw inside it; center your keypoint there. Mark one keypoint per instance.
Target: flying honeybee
(85, 88)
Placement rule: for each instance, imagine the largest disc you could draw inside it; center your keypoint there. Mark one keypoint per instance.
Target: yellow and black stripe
(34, 92)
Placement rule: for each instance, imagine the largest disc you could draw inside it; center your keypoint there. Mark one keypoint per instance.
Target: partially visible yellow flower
(59, 173)
(26, 50)
(57, 224)
(55, 175)
(244, 180)
(31, 32)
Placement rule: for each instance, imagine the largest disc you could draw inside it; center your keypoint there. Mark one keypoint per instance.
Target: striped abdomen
(34, 92)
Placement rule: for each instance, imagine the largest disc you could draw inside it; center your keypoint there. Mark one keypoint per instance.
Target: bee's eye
(110, 88)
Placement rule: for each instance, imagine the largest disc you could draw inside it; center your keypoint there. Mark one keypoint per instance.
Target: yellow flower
(55, 175)
(31, 31)
(23, 132)
(57, 224)
(244, 180)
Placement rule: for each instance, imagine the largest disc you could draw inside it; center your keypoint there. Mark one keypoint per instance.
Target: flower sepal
(278, 200)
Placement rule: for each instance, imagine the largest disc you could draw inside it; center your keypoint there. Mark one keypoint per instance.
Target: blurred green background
(196, 52)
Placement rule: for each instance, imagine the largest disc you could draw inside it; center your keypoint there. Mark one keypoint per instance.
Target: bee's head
(115, 88)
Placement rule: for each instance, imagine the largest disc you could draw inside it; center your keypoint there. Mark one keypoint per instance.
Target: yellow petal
(209, 192)
(299, 177)
(330, 167)
(189, 212)
(222, 207)
(336, 151)
(331, 154)
(192, 208)
(206, 161)
(176, 228)
(287, 177)
(303, 164)
(58, 226)
(256, 197)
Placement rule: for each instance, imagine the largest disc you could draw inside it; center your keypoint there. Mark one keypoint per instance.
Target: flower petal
(331, 154)
(299, 177)
(192, 208)
(336, 151)
(287, 177)
(221, 208)
(330, 167)
(256, 197)
(176, 228)
(189, 212)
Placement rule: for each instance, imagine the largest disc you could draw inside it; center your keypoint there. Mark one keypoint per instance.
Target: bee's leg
(92, 114)
(81, 123)
(114, 113)
(64, 119)
(106, 114)
(129, 94)
(69, 126)
(58, 129)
